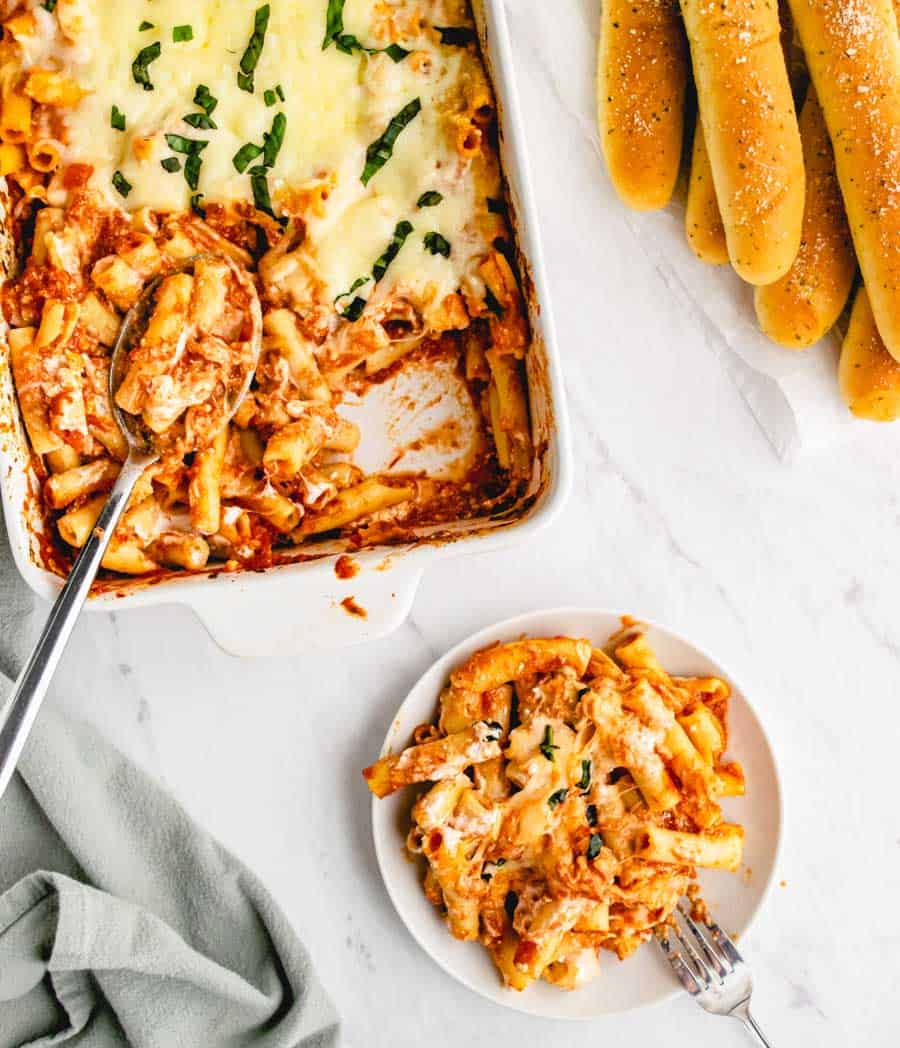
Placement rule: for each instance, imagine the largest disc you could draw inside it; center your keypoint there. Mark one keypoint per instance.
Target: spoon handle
(21, 708)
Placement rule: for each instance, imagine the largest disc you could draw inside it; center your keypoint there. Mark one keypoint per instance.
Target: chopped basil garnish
(192, 170)
(585, 781)
(245, 156)
(346, 42)
(490, 300)
(510, 903)
(594, 845)
(269, 97)
(201, 121)
(354, 312)
(259, 183)
(457, 35)
(170, 164)
(180, 144)
(206, 101)
(49, 5)
(401, 232)
(274, 139)
(121, 183)
(395, 52)
(496, 206)
(555, 799)
(500, 862)
(196, 206)
(117, 119)
(143, 27)
(140, 67)
(334, 22)
(250, 57)
(181, 33)
(590, 813)
(382, 149)
(547, 746)
(437, 244)
(580, 694)
(430, 199)
(279, 90)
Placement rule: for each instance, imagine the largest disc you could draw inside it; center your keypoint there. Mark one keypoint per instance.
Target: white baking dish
(294, 606)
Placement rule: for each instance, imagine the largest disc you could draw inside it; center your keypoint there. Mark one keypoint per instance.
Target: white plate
(645, 978)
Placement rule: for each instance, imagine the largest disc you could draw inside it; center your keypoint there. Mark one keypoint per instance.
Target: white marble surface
(789, 574)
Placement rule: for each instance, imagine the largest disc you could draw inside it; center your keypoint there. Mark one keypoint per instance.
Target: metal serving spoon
(21, 708)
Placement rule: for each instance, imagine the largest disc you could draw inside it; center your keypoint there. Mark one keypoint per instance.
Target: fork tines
(704, 956)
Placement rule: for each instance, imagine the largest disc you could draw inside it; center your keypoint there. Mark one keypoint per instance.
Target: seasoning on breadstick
(641, 75)
(805, 304)
(869, 376)
(751, 132)
(702, 217)
(853, 53)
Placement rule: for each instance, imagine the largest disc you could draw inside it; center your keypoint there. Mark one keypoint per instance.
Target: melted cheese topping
(335, 105)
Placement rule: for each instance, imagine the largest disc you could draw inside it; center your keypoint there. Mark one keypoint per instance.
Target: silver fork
(710, 968)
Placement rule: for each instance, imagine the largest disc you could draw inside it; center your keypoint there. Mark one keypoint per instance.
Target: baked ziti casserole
(337, 157)
(571, 794)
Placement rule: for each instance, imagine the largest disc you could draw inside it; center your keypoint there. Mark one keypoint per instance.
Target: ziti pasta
(570, 794)
(340, 156)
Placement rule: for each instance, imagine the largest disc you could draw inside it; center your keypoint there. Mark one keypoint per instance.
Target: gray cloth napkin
(121, 921)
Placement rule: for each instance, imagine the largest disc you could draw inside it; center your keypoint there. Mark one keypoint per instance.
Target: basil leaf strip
(555, 799)
(192, 170)
(356, 307)
(259, 183)
(430, 199)
(547, 746)
(196, 206)
(245, 156)
(206, 101)
(121, 183)
(334, 22)
(117, 119)
(274, 139)
(181, 33)
(142, 28)
(437, 244)
(269, 97)
(170, 164)
(382, 149)
(401, 232)
(49, 5)
(180, 144)
(201, 121)
(585, 780)
(251, 55)
(457, 35)
(140, 66)
(594, 845)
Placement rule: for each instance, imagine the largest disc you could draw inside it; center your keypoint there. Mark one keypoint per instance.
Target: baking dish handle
(287, 616)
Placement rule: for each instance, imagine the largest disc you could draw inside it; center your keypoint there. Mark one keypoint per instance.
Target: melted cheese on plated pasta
(334, 105)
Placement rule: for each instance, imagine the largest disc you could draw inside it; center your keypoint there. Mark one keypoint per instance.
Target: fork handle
(743, 1014)
(21, 708)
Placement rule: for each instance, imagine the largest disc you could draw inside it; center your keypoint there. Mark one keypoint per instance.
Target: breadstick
(853, 53)
(702, 217)
(806, 303)
(869, 376)
(751, 132)
(641, 75)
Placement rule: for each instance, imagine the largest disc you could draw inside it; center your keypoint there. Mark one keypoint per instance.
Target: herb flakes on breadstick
(853, 54)
(750, 128)
(869, 376)
(642, 70)
(805, 304)
(702, 217)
